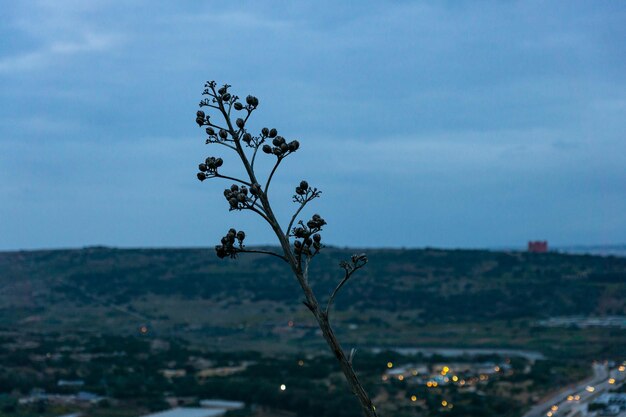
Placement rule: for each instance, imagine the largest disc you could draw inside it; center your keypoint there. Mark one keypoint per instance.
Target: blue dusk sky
(448, 124)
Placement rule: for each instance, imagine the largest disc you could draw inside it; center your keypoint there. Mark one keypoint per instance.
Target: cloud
(57, 51)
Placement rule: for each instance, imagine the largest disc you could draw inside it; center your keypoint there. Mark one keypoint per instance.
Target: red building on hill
(538, 246)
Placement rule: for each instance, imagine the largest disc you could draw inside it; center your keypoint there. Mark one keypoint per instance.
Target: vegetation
(132, 373)
(300, 240)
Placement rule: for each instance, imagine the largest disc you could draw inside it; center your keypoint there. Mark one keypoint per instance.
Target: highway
(573, 401)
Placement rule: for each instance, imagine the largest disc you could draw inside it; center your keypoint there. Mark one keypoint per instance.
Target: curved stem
(254, 156)
(341, 284)
(295, 215)
(226, 177)
(224, 144)
(239, 149)
(263, 252)
(257, 211)
(269, 179)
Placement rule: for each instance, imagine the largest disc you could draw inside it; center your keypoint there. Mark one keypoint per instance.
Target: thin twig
(345, 279)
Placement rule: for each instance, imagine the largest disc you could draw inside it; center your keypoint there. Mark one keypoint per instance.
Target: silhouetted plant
(300, 241)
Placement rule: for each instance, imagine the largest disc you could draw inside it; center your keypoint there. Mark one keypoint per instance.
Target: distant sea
(602, 250)
(599, 250)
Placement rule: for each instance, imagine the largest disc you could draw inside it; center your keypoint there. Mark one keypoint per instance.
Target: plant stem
(301, 275)
(320, 316)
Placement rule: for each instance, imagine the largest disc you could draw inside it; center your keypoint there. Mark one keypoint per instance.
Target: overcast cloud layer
(454, 124)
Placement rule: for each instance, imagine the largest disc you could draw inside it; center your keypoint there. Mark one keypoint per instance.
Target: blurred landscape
(145, 329)
(490, 135)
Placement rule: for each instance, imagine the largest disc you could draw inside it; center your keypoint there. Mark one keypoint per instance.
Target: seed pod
(202, 167)
(223, 134)
(265, 131)
(312, 224)
(280, 139)
(238, 106)
(284, 148)
(273, 133)
(219, 162)
(276, 142)
(244, 190)
(267, 149)
(253, 101)
(299, 191)
(277, 151)
(299, 232)
(294, 145)
(241, 235)
(239, 122)
(200, 114)
(227, 193)
(210, 131)
(220, 252)
(200, 121)
(234, 188)
(232, 231)
(201, 176)
(308, 241)
(316, 217)
(247, 137)
(226, 97)
(304, 185)
(233, 202)
(297, 244)
(222, 90)
(241, 197)
(317, 238)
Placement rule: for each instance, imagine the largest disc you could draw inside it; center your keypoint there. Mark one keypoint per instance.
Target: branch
(221, 143)
(293, 218)
(235, 137)
(209, 105)
(263, 252)
(302, 204)
(358, 262)
(260, 214)
(226, 177)
(269, 179)
(256, 148)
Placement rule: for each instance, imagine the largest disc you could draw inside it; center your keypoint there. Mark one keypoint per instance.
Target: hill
(403, 296)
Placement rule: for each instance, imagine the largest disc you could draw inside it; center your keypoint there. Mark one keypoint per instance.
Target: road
(581, 394)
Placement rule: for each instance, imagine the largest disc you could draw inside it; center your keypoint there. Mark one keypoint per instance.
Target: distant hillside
(440, 285)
